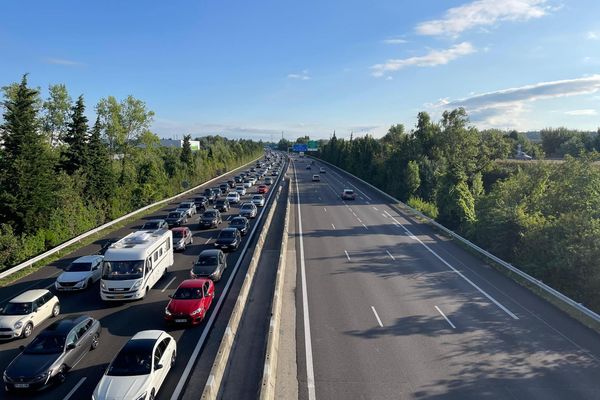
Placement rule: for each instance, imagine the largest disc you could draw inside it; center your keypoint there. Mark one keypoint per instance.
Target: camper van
(133, 265)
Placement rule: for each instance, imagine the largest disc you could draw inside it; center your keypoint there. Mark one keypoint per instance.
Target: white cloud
(302, 76)
(503, 108)
(584, 112)
(395, 41)
(482, 13)
(431, 59)
(62, 61)
(592, 35)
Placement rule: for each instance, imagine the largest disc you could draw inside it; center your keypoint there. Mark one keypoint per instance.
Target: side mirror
(21, 347)
(158, 366)
(170, 296)
(71, 346)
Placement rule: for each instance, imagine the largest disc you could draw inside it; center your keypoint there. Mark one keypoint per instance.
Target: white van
(133, 265)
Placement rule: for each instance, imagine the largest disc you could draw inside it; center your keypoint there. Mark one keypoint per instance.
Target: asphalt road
(389, 309)
(120, 321)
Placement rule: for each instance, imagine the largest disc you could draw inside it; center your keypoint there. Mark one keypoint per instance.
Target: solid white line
(194, 355)
(325, 208)
(333, 226)
(446, 318)
(347, 256)
(359, 220)
(167, 285)
(310, 373)
(229, 217)
(384, 216)
(365, 226)
(208, 240)
(391, 256)
(377, 316)
(483, 292)
(68, 396)
(375, 208)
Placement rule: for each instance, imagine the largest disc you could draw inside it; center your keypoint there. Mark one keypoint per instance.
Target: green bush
(427, 208)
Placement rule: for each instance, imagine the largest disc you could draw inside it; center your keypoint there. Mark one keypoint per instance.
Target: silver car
(248, 210)
(188, 207)
(258, 200)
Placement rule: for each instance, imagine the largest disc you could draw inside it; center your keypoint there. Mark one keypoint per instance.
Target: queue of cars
(127, 269)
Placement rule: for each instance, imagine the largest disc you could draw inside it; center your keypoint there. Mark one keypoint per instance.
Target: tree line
(542, 217)
(61, 175)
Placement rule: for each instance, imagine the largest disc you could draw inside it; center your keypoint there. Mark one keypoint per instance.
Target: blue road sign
(300, 147)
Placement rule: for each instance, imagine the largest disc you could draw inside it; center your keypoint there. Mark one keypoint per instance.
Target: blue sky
(255, 68)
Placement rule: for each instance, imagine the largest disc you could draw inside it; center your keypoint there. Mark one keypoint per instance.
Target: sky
(255, 69)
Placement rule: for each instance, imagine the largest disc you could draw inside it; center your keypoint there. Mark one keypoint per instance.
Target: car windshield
(248, 206)
(220, 202)
(150, 225)
(226, 234)
(209, 214)
(79, 267)
(349, 191)
(46, 344)
(178, 234)
(122, 270)
(17, 309)
(238, 221)
(174, 215)
(185, 205)
(234, 194)
(257, 197)
(187, 294)
(134, 359)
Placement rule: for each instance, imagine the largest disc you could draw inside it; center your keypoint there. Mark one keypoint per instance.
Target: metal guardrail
(76, 239)
(539, 284)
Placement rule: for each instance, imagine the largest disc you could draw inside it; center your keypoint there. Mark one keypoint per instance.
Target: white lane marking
(325, 209)
(483, 292)
(208, 240)
(68, 396)
(194, 355)
(319, 198)
(390, 254)
(377, 316)
(168, 284)
(367, 202)
(375, 208)
(365, 226)
(310, 373)
(229, 217)
(446, 318)
(359, 220)
(384, 216)
(347, 256)
(333, 226)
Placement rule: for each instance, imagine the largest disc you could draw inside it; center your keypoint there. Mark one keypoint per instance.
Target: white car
(80, 274)
(258, 200)
(139, 369)
(252, 180)
(241, 190)
(188, 207)
(26, 311)
(322, 170)
(247, 183)
(233, 197)
(316, 178)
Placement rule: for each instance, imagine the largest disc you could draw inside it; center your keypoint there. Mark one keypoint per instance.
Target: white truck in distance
(133, 265)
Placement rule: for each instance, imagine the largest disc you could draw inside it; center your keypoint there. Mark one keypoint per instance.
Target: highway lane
(397, 311)
(120, 321)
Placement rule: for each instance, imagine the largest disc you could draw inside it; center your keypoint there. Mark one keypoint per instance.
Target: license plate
(21, 385)
(119, 296)
(179, 321)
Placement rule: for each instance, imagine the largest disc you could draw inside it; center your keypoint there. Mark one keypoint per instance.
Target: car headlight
(142, 397)
(199, 310)
(81, 282)
(18, 325)
(136, 285)
(102, 285)
(43, 375)
(167, 312)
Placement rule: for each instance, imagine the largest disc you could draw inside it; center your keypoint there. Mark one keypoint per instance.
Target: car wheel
(61, 376)
(55, 310)
(27, 330)
(89, 283)
(95, 341)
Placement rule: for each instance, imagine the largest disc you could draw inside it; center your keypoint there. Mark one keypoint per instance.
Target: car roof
(154, 220)
(180, 228)
(193, 283)
(210, 252)
(150, 334)
(229, 230)
(348, 190)
(66, 324)
(239, 217)
(86, 259)
(29, 295)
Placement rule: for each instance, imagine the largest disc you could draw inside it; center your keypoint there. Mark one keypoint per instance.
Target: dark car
(155, 224)
(224, 187)
(222, 205)
(210, 263)
(201, 202)
(52, 353)
(231, 183)
(228, 239)
(308, 166)
(210, 195)
(241, 224)
(210, 219)
(217, 191)
(176, 218)
(237, 179)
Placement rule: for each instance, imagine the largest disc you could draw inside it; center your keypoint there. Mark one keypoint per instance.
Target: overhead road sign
(300, 147)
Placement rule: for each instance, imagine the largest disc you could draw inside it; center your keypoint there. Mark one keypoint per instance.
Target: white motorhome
(133, 265)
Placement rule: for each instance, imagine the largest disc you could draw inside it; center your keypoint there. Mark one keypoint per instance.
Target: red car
(190, 302)
(262, 189)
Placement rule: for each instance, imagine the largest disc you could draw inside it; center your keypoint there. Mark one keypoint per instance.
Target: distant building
(178, 143)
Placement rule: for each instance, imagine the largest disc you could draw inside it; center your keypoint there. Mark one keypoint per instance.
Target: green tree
(99, 175)
(186, 151)
(26, 165)
(412, 180)
(57, 107)
(74, 154)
